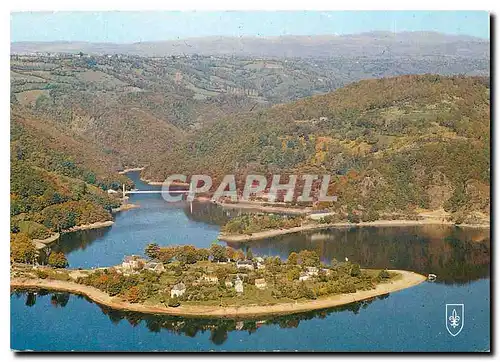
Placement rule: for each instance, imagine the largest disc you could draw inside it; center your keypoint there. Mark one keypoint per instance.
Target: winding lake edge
(341, 225)
(406, 280)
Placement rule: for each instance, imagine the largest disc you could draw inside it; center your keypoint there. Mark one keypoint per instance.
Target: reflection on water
(190, 327)
(409, 320)
(80, 240)
(456, 255)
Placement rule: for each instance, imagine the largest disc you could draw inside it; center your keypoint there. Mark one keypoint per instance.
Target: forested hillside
(57, 181)
(394, 145)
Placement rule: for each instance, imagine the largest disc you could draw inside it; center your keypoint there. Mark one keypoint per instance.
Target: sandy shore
(259, 206)
(379, 223)
(407, 280)
(124, 207)
(43, 243)
(48, 240)
(130, 170)
(96, 225)
(158, 183)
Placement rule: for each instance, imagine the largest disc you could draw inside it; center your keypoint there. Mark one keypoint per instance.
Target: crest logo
(454, 318)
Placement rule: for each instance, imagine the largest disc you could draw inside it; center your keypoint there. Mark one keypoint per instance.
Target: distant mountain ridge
(364, 44)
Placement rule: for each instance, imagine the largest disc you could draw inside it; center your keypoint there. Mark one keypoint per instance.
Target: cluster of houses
(180, 288)
(134, 264)
(310, 272)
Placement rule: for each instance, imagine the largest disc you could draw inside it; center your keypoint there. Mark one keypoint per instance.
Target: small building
(155, 267)
(312, 270)
(326, 271)
(133, 262)
(304, 276)
(245, 264)
(178, 290)
(238, 285)
(261, 283)
(212, 279)
(111, 191)
(259, 260)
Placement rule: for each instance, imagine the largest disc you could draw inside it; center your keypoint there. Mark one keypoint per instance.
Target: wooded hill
(393, 144)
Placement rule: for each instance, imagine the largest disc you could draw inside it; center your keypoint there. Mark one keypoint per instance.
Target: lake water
(409, 320)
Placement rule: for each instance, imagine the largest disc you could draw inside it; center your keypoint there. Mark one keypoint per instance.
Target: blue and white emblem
(454, 318)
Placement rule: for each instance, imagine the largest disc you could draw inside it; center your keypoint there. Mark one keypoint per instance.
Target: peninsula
(219, 282)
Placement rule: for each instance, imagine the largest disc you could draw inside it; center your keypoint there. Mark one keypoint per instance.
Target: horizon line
(260, 37)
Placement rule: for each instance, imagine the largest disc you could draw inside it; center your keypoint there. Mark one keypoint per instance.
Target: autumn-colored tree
(308, 258)
(152, 250)
(292, 258)
(57, 260)
(218, 252)
(133, 295)
(231, 253)
(166, 254)
(22, 249)
(187, 254)
(239, 255)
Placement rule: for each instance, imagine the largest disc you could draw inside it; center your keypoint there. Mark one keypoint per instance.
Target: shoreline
(407, 279)
(95, 225)
(308, 227)
(124, 207)
(123, 172)
(158, 183)
(260, 207)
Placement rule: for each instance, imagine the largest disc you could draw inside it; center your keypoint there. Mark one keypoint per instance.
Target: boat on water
(431, 277)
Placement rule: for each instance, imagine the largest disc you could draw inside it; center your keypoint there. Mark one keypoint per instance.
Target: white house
(212, 279)
(260, 283)
(304, 276)
(245, 264)
(238, 285)
(133, 262)
(178, 290)
(155, 267)
(326, 271)
(312, 270)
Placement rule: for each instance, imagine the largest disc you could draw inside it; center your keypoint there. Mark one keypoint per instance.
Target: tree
(231, 253)
(152, 250)
(239, 255)
(166, 254)
(355, 270)
(187, 254)
(292, 258)
(218, 252)
(308, 258)
(58, 260)
(293, 274)
(133, 295)
(203, 254)
(249, 254)
(22, 249)
(384, 274)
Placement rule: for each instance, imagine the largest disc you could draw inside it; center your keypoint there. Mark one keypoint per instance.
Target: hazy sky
(126, 27)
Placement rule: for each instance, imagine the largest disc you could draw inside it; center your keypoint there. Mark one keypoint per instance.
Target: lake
(408, 320)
